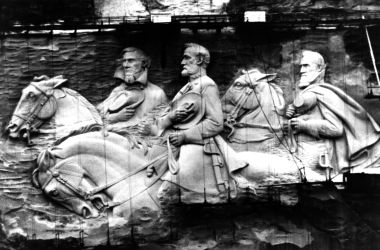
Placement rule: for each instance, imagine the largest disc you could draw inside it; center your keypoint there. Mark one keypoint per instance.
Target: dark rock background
(322, 220)
(307, 6)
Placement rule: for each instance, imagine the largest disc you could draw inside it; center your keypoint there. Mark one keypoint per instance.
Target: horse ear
(35, 181)
(45, 160)
(269, 77)
(48, 109)
(58, 80)
(40, 78)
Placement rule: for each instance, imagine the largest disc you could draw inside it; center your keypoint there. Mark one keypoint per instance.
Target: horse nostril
(11, 127)
(86, 213)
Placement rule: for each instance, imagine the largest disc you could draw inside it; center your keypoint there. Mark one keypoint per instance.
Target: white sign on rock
(254, 16)
(161, 18)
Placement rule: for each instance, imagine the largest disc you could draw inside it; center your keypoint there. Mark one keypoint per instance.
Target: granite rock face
(188, 7)
(89, 61)
(237, 6)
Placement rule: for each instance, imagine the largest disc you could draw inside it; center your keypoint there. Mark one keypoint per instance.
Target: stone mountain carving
(74, 172)
(135, 97)
(254, 109)
(47, 107)
(96, 172)
(333, 130)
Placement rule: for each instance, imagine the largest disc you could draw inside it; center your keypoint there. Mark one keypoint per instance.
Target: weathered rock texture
(239, 6)
(89, 61)
(189, 7)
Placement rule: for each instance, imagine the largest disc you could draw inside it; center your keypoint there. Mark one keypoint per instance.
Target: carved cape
(356, 145)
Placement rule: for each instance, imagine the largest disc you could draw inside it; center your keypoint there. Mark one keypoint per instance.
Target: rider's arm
(330, 126)
(212, 123)
(103, 106)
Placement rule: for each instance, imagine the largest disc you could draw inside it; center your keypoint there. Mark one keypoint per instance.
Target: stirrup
(243, 183)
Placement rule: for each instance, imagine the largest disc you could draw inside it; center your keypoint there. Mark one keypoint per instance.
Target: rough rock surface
(89, 60)
(302, 6)
(190, 7)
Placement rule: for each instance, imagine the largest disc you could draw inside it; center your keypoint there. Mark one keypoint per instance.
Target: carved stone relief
(135, 156)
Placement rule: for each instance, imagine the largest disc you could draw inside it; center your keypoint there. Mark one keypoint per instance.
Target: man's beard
(184, 72)
(308, 78)
(131, 77)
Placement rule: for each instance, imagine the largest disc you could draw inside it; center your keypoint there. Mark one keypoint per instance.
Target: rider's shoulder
(155, 90)
(206, 81)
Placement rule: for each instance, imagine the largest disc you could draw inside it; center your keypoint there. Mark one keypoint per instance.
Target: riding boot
(243, 183)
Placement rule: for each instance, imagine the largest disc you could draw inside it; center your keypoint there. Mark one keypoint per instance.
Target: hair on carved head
(201, 53)
(146, 61)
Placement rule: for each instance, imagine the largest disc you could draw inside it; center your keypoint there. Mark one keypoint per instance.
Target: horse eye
(31, 95)
(239, 85)
(53, 192)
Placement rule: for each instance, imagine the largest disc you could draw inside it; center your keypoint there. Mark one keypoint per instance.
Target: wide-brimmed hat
(186, 101)
(126, 99)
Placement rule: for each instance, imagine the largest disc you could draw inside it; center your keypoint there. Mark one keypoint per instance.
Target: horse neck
(104, 159)
(269, 104)
(264, 113)
(73, 112)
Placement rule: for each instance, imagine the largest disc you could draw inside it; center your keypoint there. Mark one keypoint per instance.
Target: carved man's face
(133, 66)
(190, 62)
(310, 70)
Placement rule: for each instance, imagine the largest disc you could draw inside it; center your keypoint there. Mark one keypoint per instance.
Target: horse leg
(141, 209)
(263, 166)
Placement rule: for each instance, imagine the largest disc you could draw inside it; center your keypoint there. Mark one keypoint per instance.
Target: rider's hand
(181, 114)
(144, 129)
(123, 115)
(150, 171)
(297, 124)
(285, 127)
(290, 112)
(177, 139)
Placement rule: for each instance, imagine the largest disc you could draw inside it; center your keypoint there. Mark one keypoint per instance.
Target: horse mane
(81, 130)
(94, 112)
(149, 118)
(132, 134)
(129, 132)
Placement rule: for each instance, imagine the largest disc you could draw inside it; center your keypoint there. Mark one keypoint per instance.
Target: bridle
(90, 195)
(232, 116)
(32, 120)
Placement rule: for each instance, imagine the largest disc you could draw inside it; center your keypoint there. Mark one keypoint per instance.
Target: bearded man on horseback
(135, 96)
(331, 127)
(192, 123)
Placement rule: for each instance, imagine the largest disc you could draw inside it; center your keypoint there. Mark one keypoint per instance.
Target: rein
(89, 195)
(32, 116)
(231, 117)
(246, 125)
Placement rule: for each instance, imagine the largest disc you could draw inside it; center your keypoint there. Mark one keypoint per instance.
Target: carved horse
(74, 172)
(90, 172)
(46, 107)
(254, 107)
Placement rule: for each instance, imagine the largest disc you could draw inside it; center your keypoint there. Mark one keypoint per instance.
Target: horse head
(37, 104)
(245, 91)
(65, 183)
(253, 93)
